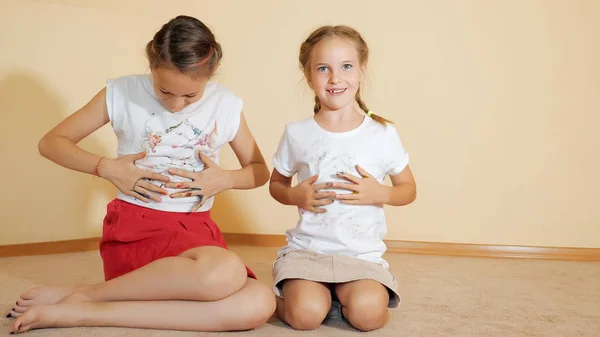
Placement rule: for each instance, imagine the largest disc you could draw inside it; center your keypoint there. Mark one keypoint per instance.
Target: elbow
(413, 195)
(264, 176)
(408, 197)
(44, 146)
(271, 190)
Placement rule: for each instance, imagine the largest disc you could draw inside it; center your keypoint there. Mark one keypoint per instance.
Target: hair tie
(370, 113)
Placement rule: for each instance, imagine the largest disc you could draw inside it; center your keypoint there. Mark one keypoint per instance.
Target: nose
(176, 104)
(333, 78)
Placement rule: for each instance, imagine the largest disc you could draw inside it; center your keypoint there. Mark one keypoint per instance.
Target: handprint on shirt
(208, 143)
(153, 140)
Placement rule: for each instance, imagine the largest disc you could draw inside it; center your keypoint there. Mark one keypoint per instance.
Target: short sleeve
(112, 99)
(284, 160)
(396, 156)
(235, 117)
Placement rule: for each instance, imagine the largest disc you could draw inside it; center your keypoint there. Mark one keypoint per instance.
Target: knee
(224, 269)
(305, 314)
(261, 308)
(367, 312)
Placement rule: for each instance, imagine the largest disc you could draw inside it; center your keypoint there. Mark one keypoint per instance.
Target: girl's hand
(365, 191)
(131, 180)
(308, 197)
(204, 185)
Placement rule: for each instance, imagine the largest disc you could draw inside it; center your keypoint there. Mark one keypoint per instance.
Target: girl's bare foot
(43, 296)
(67, 313)
(244, 310)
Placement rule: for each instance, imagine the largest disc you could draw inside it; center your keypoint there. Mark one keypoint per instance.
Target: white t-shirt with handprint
(307, 149)
(170, 140)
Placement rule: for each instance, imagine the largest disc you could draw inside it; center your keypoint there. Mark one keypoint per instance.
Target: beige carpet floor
(442, 296)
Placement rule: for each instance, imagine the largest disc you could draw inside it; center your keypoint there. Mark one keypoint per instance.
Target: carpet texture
(441, 296)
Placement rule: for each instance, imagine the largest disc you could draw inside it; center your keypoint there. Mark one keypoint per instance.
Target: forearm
(249, 177)
(281, 192)
(66, 153)
(400, 195)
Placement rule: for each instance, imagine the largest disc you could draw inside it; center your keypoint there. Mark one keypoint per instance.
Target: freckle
(188, 194)
(179, 185)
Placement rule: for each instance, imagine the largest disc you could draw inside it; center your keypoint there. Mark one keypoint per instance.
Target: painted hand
(204, 185)
(365, 191)
(308, 196)
(131, 180)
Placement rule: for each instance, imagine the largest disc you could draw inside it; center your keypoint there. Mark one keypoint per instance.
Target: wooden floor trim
(405, 247)
(53, 247)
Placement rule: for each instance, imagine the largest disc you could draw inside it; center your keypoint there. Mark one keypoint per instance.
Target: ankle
(86, 289)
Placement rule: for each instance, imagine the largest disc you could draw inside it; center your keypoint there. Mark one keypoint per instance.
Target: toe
(22, 323)
(24, 303)
(19, 309)
(30, 294)
(13, 313)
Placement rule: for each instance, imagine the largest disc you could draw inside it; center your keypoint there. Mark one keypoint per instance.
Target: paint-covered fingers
(349, 177)
(315, 209)
(201, 200)
(192, 192)
(321, 186)
(143, 194)
(347, 186)
(325, 195)
(150, 187)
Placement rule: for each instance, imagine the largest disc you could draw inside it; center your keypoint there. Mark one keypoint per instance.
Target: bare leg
(249, 308)
(364, 303)
(200, 274)
(305, 304)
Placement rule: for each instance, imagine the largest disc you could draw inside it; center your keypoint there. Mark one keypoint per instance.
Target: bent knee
(371, 315)
(368, 322)
(260, 308)
(367, 311)
(305, 314)
(222, 269)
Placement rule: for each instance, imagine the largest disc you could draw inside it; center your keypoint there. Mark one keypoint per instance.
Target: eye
(190, 96)
(164, 91)
(322, 69)
(347, 66)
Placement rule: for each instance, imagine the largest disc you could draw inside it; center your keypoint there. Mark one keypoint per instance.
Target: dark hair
(343, 32)
(186, 44)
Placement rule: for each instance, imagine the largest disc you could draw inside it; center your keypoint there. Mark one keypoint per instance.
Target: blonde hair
(343, 32)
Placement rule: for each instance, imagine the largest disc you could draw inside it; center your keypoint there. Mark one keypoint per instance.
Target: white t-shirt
(171, 140)
(307, 149)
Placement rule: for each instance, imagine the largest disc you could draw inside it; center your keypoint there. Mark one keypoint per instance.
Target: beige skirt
(306, 265)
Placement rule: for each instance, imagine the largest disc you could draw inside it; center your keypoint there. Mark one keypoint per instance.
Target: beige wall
(496, 101)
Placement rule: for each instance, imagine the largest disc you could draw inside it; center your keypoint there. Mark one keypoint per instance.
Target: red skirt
(133, 236)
